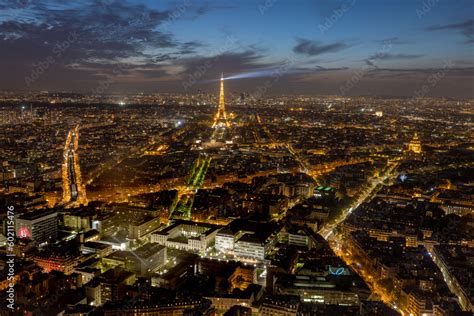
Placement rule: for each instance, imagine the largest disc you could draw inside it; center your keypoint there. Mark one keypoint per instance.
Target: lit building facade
(39, 226)
(415, 145)
(187, 235)
(141, 229)
(63, 263)
(250, 240)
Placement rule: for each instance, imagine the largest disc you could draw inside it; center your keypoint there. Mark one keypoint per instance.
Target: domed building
(415, 144)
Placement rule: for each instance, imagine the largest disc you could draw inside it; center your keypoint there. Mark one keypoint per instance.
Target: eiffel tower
(220, 120)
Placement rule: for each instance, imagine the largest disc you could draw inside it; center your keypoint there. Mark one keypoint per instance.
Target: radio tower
(220, 120)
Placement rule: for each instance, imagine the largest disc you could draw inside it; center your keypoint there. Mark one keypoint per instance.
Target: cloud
(112, 39)
(189, 47)
(137, 47)
(314, 48)
(370, 61)
(465, 74)
(388, 56)
(395, 40)
(100, 38)
(103, 32)
(206, 8)
(320, 68)
(229, 62)
(466, 28)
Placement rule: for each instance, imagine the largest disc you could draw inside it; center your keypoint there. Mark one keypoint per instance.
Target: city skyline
(398, 48)
(236, 158)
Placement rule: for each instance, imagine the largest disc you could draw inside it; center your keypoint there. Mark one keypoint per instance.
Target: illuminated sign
(336, 271)
(24, 232)
(403, 177)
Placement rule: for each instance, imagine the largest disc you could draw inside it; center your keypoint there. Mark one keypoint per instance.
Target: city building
(97, 248)
(318, 289)
(247, 239)
(141, 228)
(187, 235)
(142, 261)
(40, 226)
(415, 145)
(57, 261)
(109, 286)
(281, 305)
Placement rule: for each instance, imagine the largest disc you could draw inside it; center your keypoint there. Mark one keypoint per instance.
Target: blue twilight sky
(348, 47)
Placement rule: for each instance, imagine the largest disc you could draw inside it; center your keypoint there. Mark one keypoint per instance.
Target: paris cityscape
(237, 157)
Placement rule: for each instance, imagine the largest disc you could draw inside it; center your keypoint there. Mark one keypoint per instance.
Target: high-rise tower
(220, 120)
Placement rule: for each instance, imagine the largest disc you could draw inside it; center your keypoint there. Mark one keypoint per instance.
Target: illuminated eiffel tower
(220, 120)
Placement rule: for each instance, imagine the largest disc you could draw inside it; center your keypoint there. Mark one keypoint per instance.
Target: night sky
(352, 47)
